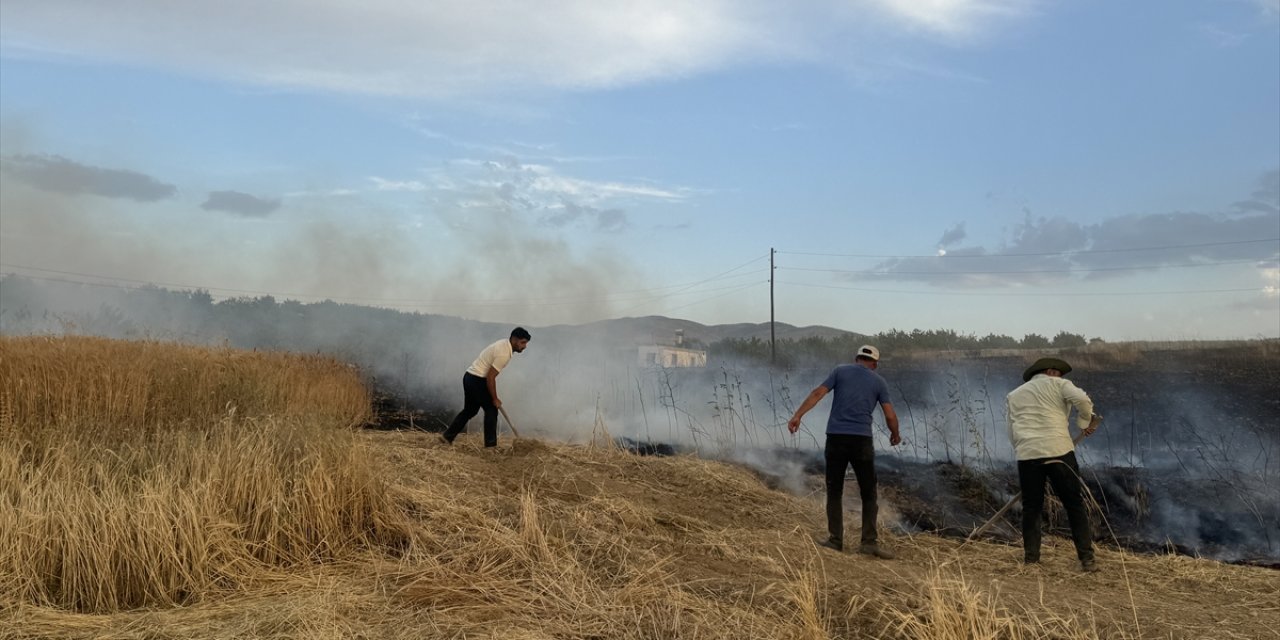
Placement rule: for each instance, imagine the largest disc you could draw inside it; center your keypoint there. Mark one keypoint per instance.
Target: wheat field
(151, 474)
(155, 490)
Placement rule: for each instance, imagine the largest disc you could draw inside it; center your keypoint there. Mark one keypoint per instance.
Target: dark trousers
(841, 451)
(476, 396)
(1063, 474)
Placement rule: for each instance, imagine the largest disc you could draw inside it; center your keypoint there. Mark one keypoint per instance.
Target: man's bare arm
(492, 380)
(815, 396)
(891, 419)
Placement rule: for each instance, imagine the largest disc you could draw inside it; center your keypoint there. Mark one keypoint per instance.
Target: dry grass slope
(533, 540)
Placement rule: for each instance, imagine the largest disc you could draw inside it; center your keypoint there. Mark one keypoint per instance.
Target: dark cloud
(1266, 198)
(1022, 259)
(510, 193)
(241, 204)
(60, 175)
(611, 220)
(1056, 249)
(1181, 238)
(1047, 235)
(953, 235)
(603, 220)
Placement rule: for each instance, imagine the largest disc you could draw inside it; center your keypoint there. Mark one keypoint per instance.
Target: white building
(661, 355)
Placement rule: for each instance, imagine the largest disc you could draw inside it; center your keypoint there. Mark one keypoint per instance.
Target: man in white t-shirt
(1038, 413)
(480, 386)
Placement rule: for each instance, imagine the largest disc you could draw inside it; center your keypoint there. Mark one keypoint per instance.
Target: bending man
(480, 386)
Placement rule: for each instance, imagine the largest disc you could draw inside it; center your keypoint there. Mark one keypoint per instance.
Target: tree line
(826, 350)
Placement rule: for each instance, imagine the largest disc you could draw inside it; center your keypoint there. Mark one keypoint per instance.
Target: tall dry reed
(73, 382)
(146, 474)
(948, 607)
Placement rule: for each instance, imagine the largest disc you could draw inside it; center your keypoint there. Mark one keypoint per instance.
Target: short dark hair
(520, 334)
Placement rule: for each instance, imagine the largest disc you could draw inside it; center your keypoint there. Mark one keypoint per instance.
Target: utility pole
(773, 345)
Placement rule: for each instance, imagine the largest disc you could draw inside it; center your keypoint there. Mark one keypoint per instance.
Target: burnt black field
(1187, 460)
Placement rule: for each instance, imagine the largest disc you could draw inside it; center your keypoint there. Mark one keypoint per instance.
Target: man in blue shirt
(858, 390)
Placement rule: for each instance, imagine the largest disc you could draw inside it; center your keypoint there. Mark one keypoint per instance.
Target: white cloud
(1271, 281)
(462, 47)
(382, 184)
(953, 17)
(592, 191)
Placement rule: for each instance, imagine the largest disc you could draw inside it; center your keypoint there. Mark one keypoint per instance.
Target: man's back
(1038, 412)
(858, 390)
(496, 356)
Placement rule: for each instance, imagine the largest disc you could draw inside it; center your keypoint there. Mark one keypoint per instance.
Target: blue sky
(988, 166)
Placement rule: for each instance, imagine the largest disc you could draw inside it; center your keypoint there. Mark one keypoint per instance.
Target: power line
(1029, 294)
(697, 302)
(1050, 253)
(723, 274)
(1019, 271)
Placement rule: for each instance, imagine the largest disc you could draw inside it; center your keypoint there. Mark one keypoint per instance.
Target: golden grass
(257, 527)
(118, 492)
(947, 606)
(538, 540)
(59, 384)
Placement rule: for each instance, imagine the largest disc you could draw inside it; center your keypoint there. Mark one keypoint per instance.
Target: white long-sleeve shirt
(1038, 412)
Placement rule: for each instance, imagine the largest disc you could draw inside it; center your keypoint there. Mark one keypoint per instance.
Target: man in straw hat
(858, 389)
(1038, 414)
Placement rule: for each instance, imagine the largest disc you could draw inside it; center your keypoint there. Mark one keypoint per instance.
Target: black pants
(1064, 474)
(841, 451)
(476, 396)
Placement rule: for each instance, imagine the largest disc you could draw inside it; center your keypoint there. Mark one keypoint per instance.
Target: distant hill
(660, 329)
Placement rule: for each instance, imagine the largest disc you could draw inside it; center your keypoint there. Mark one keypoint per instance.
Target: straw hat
(1046, 363)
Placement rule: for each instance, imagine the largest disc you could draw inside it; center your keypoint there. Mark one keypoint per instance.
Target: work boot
(832, 543)
(877, 551)
(445, 439)
(1090, 566)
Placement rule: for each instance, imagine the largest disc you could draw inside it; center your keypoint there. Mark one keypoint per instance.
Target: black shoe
(445, 439)
(832, 543)
(1031, 561)
(877, 551)
(1090, 566)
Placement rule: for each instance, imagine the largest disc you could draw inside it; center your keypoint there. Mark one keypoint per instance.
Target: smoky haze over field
(139, 229)
(1190, 447)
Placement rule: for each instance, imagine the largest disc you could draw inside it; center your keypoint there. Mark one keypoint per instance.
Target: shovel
(1008, 505)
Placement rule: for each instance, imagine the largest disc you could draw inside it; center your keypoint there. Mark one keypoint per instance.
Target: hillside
(662, 329)
(539, 540)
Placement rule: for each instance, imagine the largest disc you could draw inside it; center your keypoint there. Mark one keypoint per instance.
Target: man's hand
(497, 404)
(793, 425)
(895, 439)
(1093, 425)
